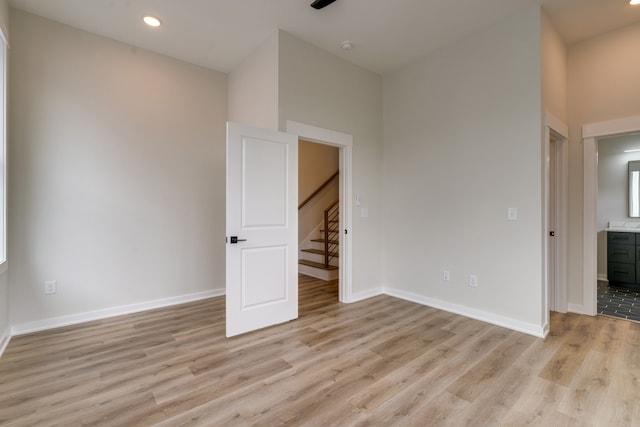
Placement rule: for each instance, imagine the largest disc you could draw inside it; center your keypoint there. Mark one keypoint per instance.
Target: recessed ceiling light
(634, 2)
(151, 21)
(348, 45)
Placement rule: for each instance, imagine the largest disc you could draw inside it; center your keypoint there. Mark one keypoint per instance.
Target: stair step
(320, 252)
(317, 265)
(332, 242)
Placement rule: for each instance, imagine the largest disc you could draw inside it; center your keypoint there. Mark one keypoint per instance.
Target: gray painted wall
(462, 143)
(117, 173)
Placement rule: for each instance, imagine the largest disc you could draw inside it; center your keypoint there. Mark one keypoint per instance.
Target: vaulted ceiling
(386, 35)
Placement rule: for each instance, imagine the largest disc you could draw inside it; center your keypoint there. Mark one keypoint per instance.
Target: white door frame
(558, 294)
(345, 143)
(590, 134)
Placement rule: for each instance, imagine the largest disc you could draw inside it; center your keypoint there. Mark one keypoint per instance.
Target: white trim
(559, 294)
(603, 278)
(611, 127)
(562, 220)
(576, 308)
(345, 143)
(556, 124)
(4, 340)
(320, 135)
(41, 325)
(73, 319)
(546, 187)
(589, 224)
(369, 293)
(346, 223)
(484, 316)
(545, 331)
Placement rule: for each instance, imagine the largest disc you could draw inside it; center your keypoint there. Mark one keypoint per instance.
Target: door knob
(234, 239)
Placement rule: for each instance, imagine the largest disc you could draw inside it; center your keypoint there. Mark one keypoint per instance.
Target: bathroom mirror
(634, 189)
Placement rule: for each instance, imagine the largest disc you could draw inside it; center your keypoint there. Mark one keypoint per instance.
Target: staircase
(320, 259)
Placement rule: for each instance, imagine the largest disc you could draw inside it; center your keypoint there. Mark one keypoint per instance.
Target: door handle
(234, 239)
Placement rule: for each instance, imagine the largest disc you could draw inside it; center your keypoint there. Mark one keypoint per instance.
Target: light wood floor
(378, 362)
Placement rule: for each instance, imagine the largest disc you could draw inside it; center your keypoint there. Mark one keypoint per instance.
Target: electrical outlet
(50, 287)
(445, 276)
(473, 280)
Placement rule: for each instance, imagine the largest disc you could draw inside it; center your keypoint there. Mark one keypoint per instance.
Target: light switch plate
(473, 280)
(512, 214)
(50, 287)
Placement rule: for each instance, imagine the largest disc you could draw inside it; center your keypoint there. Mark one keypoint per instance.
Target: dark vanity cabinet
(623, 259)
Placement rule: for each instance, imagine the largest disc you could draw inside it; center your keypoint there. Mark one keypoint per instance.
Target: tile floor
(618, 302)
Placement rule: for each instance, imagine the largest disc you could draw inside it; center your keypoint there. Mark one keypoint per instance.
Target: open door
(262, 228)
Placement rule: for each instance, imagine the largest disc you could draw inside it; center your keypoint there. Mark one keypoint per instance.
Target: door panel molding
(262, 228)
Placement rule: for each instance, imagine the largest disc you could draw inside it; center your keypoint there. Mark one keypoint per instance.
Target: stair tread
(320, 252)
(316, 265)
(333, 242)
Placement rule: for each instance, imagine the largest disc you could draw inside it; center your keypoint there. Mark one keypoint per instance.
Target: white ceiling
(387, 34)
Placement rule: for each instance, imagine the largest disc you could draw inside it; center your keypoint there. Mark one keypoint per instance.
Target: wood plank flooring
(379, 362)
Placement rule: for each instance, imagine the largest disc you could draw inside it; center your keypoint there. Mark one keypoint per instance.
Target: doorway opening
(591, 134)
(318, 225)
(618, 288)
(344, 143)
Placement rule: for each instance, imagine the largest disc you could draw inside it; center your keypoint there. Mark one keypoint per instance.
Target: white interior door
(262, 228)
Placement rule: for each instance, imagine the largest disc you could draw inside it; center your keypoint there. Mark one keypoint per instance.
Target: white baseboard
(603, 278)
(73, 319)
(360, 296)
(4, 340)
(545, 330)
(485, 316)
(575, 308)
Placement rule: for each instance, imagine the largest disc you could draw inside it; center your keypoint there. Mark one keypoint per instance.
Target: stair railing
(331, 223)
(318, 190)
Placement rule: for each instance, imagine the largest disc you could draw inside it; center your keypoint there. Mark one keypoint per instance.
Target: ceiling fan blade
(319, 4)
